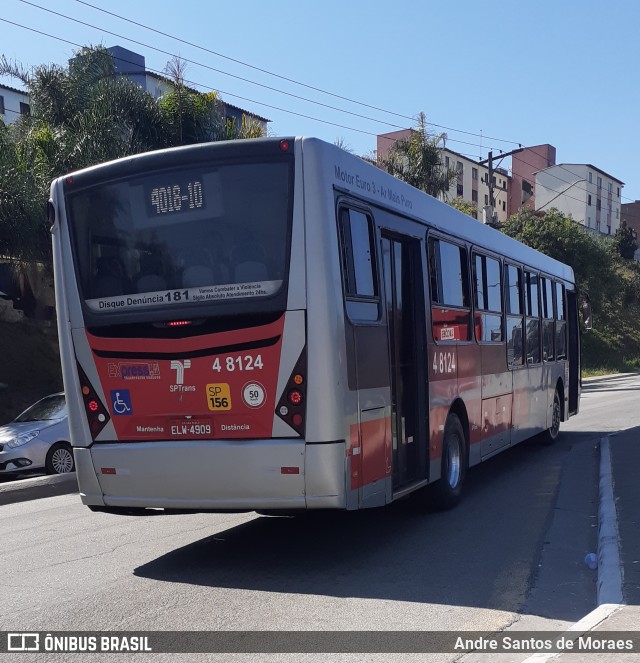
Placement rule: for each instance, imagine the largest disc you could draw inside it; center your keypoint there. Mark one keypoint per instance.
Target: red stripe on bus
(374, 460)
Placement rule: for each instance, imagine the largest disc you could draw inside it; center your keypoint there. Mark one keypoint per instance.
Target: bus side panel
(573, 353)
(88, 484)
(530, 402)
(297, 296)
(470, 393)
(497, 397)
(325, 468)
(71, 336)
(331, 406)
(555, 375)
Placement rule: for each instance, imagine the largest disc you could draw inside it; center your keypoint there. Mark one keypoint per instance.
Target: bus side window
(449, 277)
(514, 310)
(488, 299)
(532, 299)
(560, 323)
(358, 265)
(546, 293)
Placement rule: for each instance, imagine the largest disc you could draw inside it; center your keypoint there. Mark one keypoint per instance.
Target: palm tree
(83, 115)
(417, 160)
(195, 117)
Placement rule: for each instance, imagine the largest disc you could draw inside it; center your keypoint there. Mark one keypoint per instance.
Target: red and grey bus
(276, 324)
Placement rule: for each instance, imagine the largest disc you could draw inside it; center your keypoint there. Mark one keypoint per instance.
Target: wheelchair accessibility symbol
(121, 402)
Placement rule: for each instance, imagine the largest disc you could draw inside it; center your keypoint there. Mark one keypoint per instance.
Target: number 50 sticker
(253, 394)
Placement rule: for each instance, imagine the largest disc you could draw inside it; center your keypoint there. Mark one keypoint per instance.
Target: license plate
(191, 428)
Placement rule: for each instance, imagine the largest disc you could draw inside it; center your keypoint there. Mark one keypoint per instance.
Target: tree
(465, 206)
(612, 283)
(560, 237)
(624, 242)
(343, 145)
(417, 160)
(83, 115)
(190, 117)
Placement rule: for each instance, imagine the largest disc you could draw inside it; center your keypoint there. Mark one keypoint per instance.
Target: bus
(277, 325)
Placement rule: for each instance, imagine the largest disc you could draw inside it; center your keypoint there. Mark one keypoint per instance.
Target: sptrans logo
(180, 367)
(135, 371)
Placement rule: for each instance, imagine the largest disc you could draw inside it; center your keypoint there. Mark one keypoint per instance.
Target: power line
(258, 69)
(229, 94)
(285, 78)
(201, 64)
(245, 64)
(335, 124)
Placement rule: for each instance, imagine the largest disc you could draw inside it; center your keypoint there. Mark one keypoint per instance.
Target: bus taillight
(290, 408)
(97, 414)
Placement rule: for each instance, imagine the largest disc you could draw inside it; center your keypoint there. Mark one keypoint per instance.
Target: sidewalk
(33, 488)
(618, 615)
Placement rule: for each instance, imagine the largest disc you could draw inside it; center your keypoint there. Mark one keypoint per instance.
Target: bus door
(574, 351)
(404, 304)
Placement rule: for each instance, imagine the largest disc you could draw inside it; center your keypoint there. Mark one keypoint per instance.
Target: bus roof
(366, 181)
(353, 175)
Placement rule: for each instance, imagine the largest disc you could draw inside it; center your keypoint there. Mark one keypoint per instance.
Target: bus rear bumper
(213, 475)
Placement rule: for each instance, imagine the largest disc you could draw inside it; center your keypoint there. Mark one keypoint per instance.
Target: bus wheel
(446, 492)
(551, 434)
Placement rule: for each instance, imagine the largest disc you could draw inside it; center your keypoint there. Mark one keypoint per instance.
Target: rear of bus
(181, 297)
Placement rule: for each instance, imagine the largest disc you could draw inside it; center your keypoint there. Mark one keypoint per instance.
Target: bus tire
(447, 491)
(551, 434)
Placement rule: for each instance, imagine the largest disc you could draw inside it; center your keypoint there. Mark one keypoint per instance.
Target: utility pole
(489, 216)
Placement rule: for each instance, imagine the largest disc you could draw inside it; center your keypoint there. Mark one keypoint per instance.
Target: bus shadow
(485, 553)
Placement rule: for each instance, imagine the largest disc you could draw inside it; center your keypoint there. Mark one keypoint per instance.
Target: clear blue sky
(563, 72)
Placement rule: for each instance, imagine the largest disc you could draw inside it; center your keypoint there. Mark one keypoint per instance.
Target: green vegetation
(82, 115)
(462, 205)
(417, 160)
(611, 281)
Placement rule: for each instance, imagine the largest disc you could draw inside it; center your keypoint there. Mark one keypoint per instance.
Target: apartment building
(630, 215)
(133, 66)
(524, 166)
(591, 196)
(14, 102)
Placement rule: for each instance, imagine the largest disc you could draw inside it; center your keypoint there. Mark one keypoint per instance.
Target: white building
(132, 65)
(590, 195)
(13, 103)
(472, 183)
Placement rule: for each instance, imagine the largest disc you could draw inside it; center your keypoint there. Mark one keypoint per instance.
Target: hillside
(29, 366)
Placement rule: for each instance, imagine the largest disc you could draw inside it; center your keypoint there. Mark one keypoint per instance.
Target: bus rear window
(201, 234)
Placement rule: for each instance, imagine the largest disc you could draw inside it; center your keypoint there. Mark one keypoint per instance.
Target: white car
(38, 439)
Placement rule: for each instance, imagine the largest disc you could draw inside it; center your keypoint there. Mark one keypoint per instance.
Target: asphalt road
(509, 557)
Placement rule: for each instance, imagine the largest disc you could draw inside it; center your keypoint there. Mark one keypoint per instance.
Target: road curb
(610, 376)
(609, 569)
(35, 488)
(609, 592)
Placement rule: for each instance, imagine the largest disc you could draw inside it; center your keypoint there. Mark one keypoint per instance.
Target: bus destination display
(175, 198)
